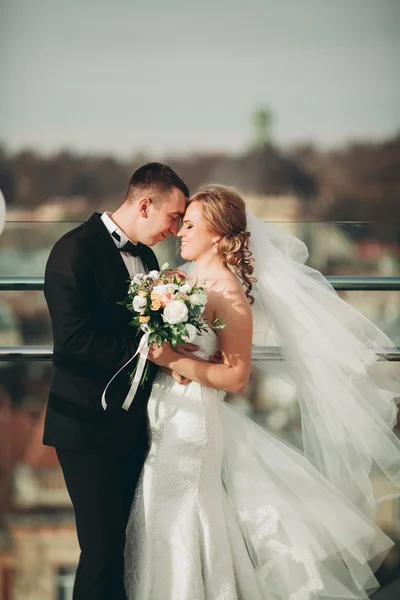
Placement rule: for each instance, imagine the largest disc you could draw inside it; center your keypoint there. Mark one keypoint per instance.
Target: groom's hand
(181, 275)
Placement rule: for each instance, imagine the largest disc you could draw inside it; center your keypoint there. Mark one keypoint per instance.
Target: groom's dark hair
(154, 180)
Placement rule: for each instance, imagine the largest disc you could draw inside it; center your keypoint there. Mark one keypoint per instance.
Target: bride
(225, 510)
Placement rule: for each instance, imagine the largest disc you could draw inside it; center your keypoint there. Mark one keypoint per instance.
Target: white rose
(138, 278)
(139, 303)
(160, 289)
(186, 288)
(172, 287)
(175, 312)
(191, 333)
(154, 274)
(200, 299)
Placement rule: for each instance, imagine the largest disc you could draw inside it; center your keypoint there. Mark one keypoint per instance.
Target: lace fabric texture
(226, 511)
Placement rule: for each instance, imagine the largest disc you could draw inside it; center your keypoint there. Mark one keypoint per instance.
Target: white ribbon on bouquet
(143, 350)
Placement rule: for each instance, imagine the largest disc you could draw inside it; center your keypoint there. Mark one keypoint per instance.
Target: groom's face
(162, 219)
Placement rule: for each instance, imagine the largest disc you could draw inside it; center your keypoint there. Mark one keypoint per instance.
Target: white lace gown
(226, 511)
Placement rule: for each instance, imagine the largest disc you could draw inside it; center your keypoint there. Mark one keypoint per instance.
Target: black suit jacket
(84, 280)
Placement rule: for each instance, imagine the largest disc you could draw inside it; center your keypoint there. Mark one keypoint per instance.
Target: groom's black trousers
(101, 488)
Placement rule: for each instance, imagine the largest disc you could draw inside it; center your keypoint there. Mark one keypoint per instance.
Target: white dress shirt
(134, 264)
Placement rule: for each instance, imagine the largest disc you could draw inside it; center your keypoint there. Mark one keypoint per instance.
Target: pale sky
(169, 75)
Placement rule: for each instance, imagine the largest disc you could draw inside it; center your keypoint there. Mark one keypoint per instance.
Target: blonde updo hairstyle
(224, 212)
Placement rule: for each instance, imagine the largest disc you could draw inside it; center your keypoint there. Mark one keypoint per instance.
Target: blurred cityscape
(344, 203)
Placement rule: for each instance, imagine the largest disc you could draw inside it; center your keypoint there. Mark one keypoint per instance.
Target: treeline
(355, 182)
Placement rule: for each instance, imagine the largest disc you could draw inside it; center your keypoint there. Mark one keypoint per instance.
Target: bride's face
(196, 239)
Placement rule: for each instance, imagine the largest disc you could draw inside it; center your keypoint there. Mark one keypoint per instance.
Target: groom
(102, 452)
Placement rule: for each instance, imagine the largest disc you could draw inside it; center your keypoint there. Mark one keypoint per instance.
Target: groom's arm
(70, 293)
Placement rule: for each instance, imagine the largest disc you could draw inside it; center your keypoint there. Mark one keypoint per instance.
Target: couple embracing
(181, 497)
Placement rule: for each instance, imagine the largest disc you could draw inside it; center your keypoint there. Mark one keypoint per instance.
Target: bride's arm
(231, 305)
(178, 378)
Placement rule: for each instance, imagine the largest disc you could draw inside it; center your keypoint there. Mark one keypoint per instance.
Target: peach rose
(142, 294)
(144, 319)
(155, 296)
(155, 305)
(167, 298)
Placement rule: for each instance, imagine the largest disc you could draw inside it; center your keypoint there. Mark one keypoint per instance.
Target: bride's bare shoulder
(229, 303)
(228, 287)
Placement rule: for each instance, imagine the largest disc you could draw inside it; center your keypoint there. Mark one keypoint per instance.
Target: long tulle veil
(347, 416)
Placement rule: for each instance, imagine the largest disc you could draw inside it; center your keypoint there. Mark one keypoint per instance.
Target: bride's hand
(162, 355)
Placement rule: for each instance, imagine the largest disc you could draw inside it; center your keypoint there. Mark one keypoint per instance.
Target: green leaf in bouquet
(196, 310)
(157, 320)
(137, 328)
(218, 324)
(145, 374)
(152, 337)
(159, 340)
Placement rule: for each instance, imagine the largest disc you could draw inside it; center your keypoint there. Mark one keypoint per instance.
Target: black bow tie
(134, 249)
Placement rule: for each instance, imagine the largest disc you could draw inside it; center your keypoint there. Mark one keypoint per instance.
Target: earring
(215, 250)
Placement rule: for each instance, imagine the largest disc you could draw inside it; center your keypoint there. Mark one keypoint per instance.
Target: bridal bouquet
(167, 309)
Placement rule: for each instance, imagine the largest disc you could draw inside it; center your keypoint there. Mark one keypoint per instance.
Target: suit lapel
(149, 258)
(106, 252)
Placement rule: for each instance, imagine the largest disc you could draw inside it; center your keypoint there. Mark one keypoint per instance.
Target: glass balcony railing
(336, 248)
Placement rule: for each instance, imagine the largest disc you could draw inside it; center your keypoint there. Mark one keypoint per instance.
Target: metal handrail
(361, 283)
(9, 284)
(20, 353)
(339, 282)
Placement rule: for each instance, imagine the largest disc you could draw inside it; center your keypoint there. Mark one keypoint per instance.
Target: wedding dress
(226, 511)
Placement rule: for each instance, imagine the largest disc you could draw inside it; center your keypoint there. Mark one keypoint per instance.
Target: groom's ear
(143, 206)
